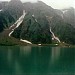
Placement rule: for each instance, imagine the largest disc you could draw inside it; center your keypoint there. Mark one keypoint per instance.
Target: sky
(57, 4)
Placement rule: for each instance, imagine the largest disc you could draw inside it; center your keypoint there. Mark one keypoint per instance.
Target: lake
(36, 60)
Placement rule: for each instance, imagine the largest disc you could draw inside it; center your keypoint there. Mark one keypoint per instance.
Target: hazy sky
(59, 4)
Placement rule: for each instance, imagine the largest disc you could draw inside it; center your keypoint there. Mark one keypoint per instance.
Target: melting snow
(36, 20)
(26, 41)
(1, 10)
(11, 26)
(17, 23)
(49, 17)
(11, 33)
(64, 11)
(53, 36)
(39, 44)
(33, 15)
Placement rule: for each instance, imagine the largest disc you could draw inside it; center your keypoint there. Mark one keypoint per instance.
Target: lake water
(42, 60)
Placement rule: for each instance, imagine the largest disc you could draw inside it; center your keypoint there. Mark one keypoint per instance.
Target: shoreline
(51, 45)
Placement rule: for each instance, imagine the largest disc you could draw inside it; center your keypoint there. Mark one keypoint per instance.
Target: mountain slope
(10, 14)
(65, 31)
(69, 16)
(41, 25)
(37, 23)
(33, 31)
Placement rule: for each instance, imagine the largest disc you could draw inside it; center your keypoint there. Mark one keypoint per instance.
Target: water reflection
(55, 55)
(17, 68)
(9, 55)
(35, 60)
(26, 50)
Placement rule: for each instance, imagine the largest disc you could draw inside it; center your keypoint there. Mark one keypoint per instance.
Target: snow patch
(17, 23)
(11, 26)
(11, 33)
(49, 17)
(36, 20)
(26, 41)
(54, 37)
(39, 44)
(33, 15)
(56, 44)
(1, 10)
(20, 19)
(64, 11)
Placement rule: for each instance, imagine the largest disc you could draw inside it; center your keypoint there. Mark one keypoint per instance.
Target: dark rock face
(10, 13)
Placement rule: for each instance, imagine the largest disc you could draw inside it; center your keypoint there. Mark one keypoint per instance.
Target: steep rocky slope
(10, 13)
(37, 23)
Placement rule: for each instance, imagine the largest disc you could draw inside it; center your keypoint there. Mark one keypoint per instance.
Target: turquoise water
(42, 60)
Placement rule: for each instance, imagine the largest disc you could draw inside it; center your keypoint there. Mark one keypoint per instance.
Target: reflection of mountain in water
(55, 54)
(26, 50)
(33, 60)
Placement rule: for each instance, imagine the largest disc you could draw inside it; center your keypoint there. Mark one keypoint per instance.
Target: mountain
(69, 16)
(3, 4)
(10, 13)
(33, 31)
(36, 25)
(41, 25)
